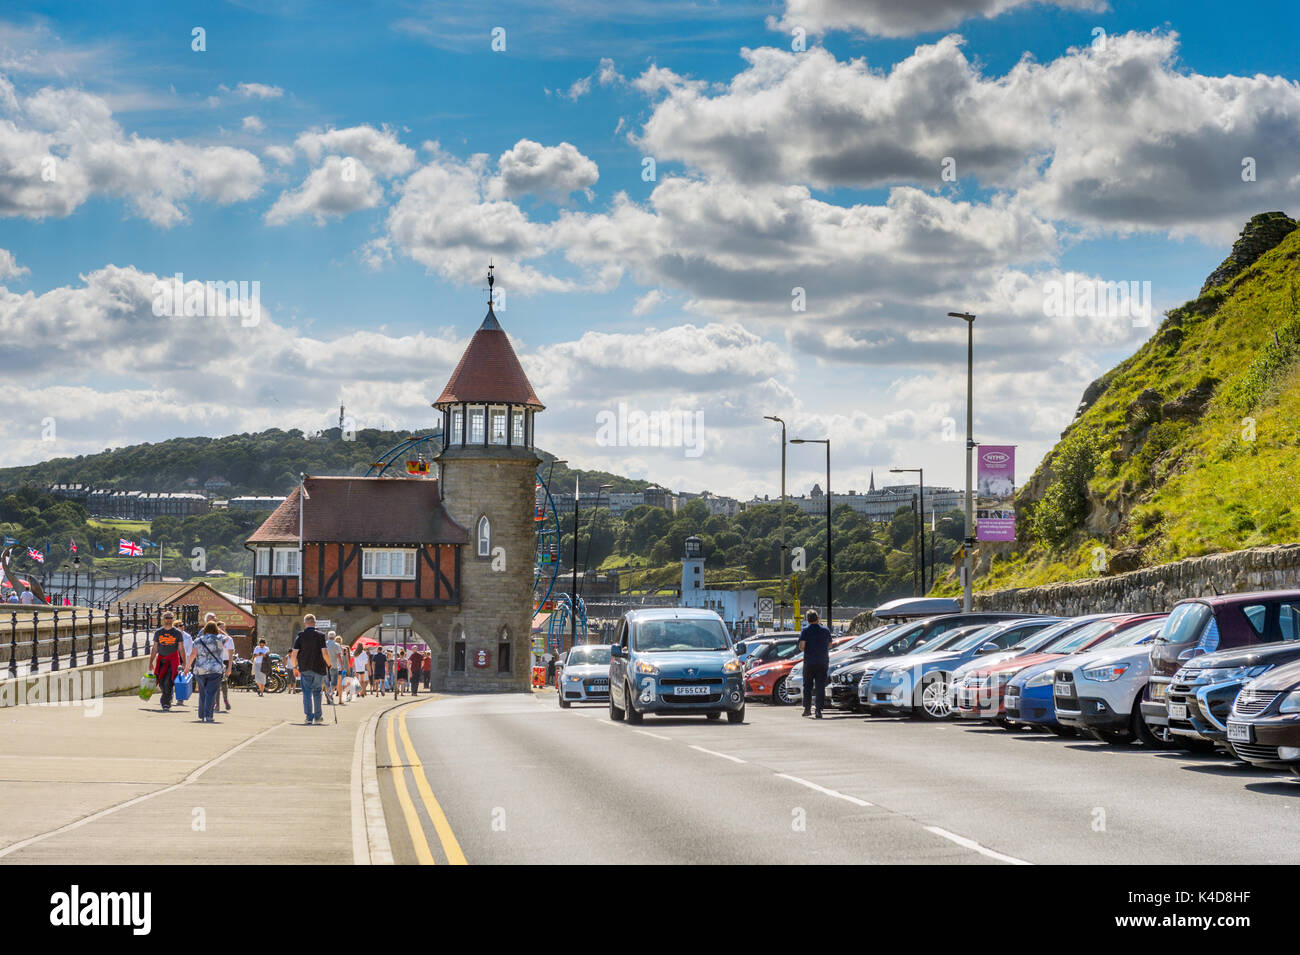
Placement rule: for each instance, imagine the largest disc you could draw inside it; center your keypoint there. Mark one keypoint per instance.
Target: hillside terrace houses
(620, 502)
(878, 505)
(132, 505)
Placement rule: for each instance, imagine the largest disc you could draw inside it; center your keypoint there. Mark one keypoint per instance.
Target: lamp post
(783, 443)
(921, 549)
(969, 541)
(827, 442)
(933, 531)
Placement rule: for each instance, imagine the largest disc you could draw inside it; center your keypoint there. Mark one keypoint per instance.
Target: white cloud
(338, 187)
(252, 124)
(258, 91)
(892, 18)
(281, 154)
(529, 168)
(9, 267)
(379, 149)
(648, 302)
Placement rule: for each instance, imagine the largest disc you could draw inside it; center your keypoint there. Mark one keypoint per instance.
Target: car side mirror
(615, 650)
(740, 648)
(987, 648)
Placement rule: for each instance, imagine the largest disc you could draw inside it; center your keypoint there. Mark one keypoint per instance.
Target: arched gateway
(350, 549)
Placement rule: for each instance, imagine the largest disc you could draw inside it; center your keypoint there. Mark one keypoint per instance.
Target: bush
(1064, 505)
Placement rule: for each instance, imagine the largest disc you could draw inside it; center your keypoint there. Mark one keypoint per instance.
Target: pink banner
(995, 493)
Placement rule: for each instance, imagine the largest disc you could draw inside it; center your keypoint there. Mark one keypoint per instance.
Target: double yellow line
(423, 854)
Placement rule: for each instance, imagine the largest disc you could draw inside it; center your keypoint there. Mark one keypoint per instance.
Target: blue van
(675, 660)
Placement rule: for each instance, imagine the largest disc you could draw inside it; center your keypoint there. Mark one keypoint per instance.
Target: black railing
(78, 636)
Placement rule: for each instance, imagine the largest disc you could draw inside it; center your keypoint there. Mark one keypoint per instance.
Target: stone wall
(1156, 588)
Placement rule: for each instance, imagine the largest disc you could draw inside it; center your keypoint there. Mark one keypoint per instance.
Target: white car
(584, 675)
(1101, 693)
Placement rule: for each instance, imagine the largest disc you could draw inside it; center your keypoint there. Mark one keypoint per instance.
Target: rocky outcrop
(1191, 404)
(1261, 234)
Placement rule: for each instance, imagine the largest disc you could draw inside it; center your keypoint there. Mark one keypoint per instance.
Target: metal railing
(79, 636)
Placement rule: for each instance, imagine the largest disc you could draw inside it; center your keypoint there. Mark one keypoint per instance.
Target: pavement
(518, 780)
(118, 781)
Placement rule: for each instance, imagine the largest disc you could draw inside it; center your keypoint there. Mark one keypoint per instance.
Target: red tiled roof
(364, 510)
(489, 371)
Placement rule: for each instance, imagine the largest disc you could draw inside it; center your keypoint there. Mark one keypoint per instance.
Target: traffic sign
(765, 608)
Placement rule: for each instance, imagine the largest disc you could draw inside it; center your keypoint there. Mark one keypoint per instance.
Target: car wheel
(564, 704)
(736, 716)
(632, 715)
(933, 702)
(1143, 733)
(713, 716)
(615, 713)
(781, 694)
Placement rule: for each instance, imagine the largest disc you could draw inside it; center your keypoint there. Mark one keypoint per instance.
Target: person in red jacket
(165, 656)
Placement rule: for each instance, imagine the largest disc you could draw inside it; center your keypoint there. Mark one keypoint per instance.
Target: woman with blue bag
(208, 666)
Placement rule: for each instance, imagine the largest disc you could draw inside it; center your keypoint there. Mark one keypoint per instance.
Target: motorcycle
(241, 675)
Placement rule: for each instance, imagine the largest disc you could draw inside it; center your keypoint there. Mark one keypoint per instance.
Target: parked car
(1201, 625)
(674, 660)
(777, 648)
(843, 679)
(1264, 725)
(1203, 690)
(767, 680)
(584, 675)
(1032, 693)
(982, 693)
(1100, 694)
(918, 682)
(839, 654)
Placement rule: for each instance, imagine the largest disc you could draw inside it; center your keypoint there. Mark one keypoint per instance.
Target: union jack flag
(35, 555)
(127, 548)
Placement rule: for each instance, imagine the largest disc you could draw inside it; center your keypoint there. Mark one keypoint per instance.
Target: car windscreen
(1080, 638)
(785, 651)
(971, 640)
(588, 656)
(864, 641)
(1131, 636)
(1184, 623)
(1047, 636)
(657, 636)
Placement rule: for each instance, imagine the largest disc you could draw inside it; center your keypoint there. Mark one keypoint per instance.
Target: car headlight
(756, 674)
(1105, 674)
(574, 678)
(1041, 679)
(732, 666)
(1229, 674)
(1290, 703)
(644, 666)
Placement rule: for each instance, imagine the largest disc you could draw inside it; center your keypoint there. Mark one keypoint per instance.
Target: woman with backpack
(209, 668)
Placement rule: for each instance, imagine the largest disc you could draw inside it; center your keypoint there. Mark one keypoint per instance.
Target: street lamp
(921, 549)
(827, 442)
(783, 443)
(969, 542)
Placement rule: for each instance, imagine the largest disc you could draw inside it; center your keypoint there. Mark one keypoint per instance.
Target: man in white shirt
(27, 596)
(228, 657)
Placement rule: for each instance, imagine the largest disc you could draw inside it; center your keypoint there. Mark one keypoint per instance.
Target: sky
(699, 214)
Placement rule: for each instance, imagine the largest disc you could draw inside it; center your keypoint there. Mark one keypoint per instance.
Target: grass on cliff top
(1224, 481)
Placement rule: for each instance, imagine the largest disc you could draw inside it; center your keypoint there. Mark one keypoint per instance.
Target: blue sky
(1113, 156)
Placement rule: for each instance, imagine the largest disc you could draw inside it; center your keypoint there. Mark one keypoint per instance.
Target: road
(515, 779)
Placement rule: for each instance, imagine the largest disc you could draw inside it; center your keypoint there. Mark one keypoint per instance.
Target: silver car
(584, 675)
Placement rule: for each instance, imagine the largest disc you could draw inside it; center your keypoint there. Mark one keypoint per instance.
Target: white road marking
(652, 735)
(975, 846)
(822, 789)
(734, 759)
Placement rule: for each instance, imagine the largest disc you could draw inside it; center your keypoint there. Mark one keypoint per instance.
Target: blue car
(675, 660)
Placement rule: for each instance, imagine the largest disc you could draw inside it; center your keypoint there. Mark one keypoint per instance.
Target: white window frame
(377, 567)
(518, 428)
(456, 419)
(484, 534)
(263, 565)
(477, 424)
(492, 414)
(284, 562)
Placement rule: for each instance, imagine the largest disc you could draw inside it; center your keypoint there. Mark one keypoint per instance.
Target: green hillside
(1189, 447)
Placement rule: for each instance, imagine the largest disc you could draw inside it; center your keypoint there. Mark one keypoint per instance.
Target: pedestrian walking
(165, 657)
(334, 657)
(260, 666)
(815, 642)
(206, 663)
(417, 671)
(428, 670)
(378, 670)
(360, 664)
(403, 673)
(308, 662)
(227, 654)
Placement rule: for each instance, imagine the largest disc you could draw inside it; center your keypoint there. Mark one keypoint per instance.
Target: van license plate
(692, 691)
(1238, 732)
(1178, 711)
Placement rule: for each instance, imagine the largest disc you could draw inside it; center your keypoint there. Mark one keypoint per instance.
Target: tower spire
(873, 480)
(490, 319)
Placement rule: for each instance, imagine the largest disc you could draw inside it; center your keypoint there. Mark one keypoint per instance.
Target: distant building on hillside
(739, 608)
(254, 503)
(878, 505)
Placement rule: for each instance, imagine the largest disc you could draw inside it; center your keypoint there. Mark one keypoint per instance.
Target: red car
(982, 694)
(767, 680)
